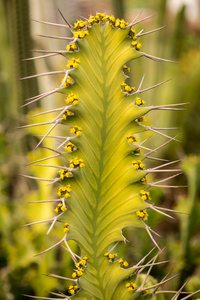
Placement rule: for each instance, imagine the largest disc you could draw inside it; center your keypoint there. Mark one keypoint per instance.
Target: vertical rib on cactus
(103, 186)
(105, 193)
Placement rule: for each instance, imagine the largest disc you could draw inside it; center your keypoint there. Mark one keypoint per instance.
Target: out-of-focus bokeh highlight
(20, 271)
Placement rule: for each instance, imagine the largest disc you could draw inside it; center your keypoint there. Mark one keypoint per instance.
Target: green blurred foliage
(20, 271)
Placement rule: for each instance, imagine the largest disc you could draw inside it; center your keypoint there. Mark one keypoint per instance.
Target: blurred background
(20, 271)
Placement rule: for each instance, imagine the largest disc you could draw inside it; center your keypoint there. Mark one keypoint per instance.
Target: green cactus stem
(102, 184)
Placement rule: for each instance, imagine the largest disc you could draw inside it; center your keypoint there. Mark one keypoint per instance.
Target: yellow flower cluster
(80, 24)
(64, 174)
(73, 63)
(78, 273)
(77, 130)
(76, 162)
(60, 207)
(131, 139)
(123, 263)
(110, 19)
(67, 82)
(72, 289)
(92, 20)
(67, 114)
(139, 101)
(66, 227)
(99, 17)
(71, 47)
(105, 18)
(126, 69)
(110, 256)
(82, 263)
(132, 34)
(70, 147)
(142, 214)
(80, 34)
(72, 98)
(136, 45)
(138, 165)
(131, 286)
(126, 88)
(144, 195)
(121, 23)
(64, 191)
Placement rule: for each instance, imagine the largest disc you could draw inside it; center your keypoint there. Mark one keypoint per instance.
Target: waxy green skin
(105, 193)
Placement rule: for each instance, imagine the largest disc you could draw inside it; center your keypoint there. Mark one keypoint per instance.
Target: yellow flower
(131, 139)
(79, 273)
(132, 34)
(112, 256)
(64, 191)
(70, 147)
(126, 88)
(112, 19)
(76, 162)
(139, 101)
(72, 98)
(73, 130)
(73, 63)
(80, 34)
(67, 195)
(92, 20)
(126, 69)
(60, 207)
(138, 165)
(145, 195)
(130, 286)
(136, 45)
(117, 22)
(80, 24)
(67, 82)
(67, 114)
(63, 208)
(66, 227)
(142, 214)
(100, 16)
(75, 102)
(77, 130)
(125, 264)
(72, 292)
(78, 133)
(64, 174)
(120, 23)
(71, 47)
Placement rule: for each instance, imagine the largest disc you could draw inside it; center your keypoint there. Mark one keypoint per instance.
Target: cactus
(102, 184)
